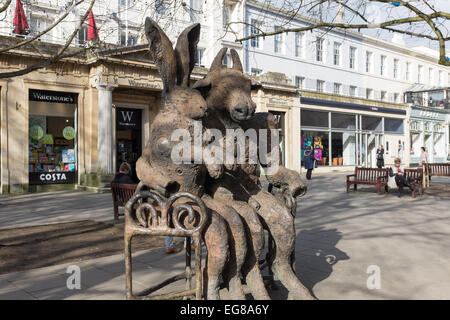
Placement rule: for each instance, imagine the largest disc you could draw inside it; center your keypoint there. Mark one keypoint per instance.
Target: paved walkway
(339, 236)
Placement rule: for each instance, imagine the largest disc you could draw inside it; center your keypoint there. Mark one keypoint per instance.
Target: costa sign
(39, 178)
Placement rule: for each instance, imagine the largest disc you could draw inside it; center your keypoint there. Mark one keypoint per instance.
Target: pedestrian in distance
(308, 161)
(380, 156)
(424, 160)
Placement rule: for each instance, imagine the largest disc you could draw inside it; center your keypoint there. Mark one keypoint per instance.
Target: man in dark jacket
(123, 176)
(308, 161)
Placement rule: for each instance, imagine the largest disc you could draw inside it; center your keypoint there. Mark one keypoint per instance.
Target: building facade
(70, 125)
(352, 86)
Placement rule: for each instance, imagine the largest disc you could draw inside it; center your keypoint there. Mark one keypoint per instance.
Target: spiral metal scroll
(150, 212)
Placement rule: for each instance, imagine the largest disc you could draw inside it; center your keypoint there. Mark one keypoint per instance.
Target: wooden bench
(415, 176)
(369, 176)
(438, 169)
(121, 193)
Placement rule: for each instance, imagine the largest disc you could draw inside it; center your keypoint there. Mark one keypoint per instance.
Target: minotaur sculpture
(238, 208)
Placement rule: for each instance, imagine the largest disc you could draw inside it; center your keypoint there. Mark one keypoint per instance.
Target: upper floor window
(37, 25)
(383, 65)
(130, 41)
(352, 58)
(319, 49)
(196, 7)
(299, 82)
(254, 30)
(419, 74)
(320, 85)
(200, 57)
(353, 91)
(396, 68)
(430, 76)
(299, 44)
(368, 61)
(226, 15)
(126, 3)
(337, 88)
(82, 35)
(383, 95)
(369, 93)
(278, 41)
(441, 78)
(396, 97)
(337, 54)
(408, 71)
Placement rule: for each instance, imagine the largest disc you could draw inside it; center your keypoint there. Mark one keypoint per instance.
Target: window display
(319, 142)
(52, 143)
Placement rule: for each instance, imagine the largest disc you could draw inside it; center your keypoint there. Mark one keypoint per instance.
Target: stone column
(105, 165)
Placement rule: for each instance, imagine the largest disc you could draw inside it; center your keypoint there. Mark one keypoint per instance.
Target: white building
(342, 75)
(342, 89)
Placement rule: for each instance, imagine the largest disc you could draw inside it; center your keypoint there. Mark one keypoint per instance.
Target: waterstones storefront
(52, 138)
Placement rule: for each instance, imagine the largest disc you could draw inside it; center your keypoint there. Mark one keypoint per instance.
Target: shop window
(343, 148)
(314, 119)
(52, 138)
(371, 123)
(319, 141)
(393, 125)
(343, 121)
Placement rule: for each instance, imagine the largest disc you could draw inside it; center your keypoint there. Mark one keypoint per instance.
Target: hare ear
(162, 53)
(186, 53)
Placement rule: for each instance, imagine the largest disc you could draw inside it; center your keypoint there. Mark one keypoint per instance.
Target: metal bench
(182, 215)
(368, 176)
(121, 193)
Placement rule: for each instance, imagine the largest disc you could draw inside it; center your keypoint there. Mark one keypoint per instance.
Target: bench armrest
(350, 175)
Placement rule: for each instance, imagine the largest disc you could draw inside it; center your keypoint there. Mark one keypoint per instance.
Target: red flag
(92, 28)
(20, 20)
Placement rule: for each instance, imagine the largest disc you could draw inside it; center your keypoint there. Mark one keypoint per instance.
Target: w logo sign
(127, 116)
(127, 119)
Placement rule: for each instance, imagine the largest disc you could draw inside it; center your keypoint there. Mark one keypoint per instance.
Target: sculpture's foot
(297, 291)
(216, 241)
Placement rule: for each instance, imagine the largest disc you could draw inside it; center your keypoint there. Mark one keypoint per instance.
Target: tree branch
(59, 55)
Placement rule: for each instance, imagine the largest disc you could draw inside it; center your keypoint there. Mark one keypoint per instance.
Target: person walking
(380, 156)
(308, 161)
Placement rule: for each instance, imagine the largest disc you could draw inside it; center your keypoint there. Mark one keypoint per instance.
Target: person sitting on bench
(399, 175)
(123, 176)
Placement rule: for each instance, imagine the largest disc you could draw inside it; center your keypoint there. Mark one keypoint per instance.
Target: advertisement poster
(68, 156)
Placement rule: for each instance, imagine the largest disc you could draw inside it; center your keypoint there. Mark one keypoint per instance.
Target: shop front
(52, 141)
(345, 135)
(428, 128)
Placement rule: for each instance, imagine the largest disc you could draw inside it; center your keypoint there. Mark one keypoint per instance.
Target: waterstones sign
(53, 96)
(39, 178)
(128, 119)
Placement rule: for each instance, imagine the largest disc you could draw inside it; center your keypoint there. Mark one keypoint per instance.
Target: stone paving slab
(339, 235)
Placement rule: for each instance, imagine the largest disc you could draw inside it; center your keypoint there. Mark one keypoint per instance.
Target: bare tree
(415, 18)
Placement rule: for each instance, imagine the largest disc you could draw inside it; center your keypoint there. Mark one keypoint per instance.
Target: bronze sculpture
(238, 207)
